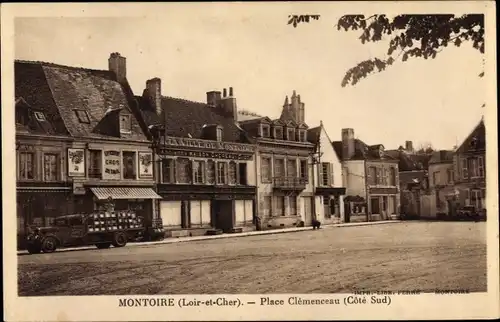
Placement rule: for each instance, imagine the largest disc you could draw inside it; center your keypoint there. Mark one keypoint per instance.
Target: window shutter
(331, 175)
(174, 171)
(320, 174)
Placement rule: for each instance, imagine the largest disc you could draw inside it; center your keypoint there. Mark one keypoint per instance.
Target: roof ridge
(185, 100)
(59, 65)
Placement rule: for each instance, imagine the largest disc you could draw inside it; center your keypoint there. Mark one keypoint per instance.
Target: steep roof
(59, 91)
(184, 118)
(475, 141)
(362, 151)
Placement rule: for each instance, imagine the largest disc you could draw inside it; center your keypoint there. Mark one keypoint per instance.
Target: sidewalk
(249, 233)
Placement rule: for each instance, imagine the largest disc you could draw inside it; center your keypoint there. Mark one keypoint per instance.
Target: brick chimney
(118, 65)
(442, 155)
(348, 143)
(214, 98)
(153, 92)
(409, 146)
(228, 104)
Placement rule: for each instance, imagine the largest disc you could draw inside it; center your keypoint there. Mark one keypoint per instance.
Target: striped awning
(103, 193)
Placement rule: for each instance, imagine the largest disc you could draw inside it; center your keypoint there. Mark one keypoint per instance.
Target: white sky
(254, 51)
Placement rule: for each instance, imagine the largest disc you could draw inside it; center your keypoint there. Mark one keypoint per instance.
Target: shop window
(129, 165)
(198, 172)
(210, 172)
(95, 164)
(50, 167)
(242, 174)
(183, 170)
(168, 170)
(232, 173)
(26, 166)
(221, 173)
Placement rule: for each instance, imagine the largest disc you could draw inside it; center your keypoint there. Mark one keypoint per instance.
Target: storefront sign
(209, 155)
(76, 162)
(78, 188)
(112, 165)
(202, 144)
(145, 164)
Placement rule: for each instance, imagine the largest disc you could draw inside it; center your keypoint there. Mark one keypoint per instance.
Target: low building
(470, 169)
(441, 186)
(206, 176)
(79, 142)
(413, 179)
(371, 178)
(284, 172)
(328, 177)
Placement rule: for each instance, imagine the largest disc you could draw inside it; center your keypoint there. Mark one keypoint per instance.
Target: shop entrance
(222, 215)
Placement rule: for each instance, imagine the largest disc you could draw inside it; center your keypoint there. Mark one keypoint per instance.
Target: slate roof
(58, 90)
(313, 134)
(362, 151)
(409, 161)
(184, 118)
(443, 156)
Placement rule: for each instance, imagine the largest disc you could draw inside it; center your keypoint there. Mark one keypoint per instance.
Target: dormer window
(125, 123)
(265, 130)
(290, 134)
(40, 116)
(82, 116)
(278, 133)
(219, 133)
(302, 136)
(473, 142)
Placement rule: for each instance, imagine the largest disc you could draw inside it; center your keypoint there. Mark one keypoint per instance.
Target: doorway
(222, 215)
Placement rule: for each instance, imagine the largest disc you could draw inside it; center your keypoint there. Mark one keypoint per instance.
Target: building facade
(328, 177)
(469, 163)
(206, 172)
(439, 203)
(79, 142)
(284, 167)
(371, 178)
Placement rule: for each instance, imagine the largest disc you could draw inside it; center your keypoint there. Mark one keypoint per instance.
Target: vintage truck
(101, 229)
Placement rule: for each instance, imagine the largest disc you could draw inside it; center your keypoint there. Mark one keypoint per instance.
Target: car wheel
(103, 245)
(49, 245)
(119, 239)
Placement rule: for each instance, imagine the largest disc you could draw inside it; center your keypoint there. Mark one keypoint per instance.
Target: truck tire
(103, 245)
(49, 244)
(119, 239)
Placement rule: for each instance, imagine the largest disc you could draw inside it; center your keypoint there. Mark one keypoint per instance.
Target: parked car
(471, 213)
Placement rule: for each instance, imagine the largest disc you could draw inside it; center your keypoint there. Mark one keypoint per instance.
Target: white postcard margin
(106, 308)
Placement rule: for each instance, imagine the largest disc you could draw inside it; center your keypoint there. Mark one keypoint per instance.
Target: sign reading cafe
(112, 165)
(145, 164)
(76, 162)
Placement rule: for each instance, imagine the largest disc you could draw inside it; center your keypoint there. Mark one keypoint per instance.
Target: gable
(475, 141)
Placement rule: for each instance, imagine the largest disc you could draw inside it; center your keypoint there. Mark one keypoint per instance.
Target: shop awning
(103, 193)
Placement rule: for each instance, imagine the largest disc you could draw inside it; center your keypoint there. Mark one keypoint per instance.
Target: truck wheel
(103, 245)
(119, 239)
(49, 245)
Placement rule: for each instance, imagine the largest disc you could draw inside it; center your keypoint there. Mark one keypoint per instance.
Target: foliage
(411, 36)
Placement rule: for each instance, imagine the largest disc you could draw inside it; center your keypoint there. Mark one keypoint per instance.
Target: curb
(245, 234)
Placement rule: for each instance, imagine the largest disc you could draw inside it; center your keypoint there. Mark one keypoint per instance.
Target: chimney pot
(224, 91)
(230, 91)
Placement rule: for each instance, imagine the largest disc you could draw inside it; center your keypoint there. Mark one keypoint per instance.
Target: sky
(211, 47)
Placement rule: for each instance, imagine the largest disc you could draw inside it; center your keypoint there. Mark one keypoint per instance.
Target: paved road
(405, 256)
